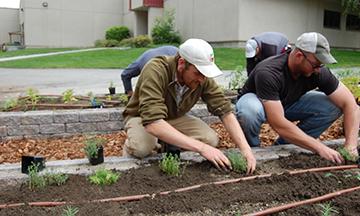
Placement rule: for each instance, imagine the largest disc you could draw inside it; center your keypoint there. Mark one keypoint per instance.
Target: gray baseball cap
(316, 43)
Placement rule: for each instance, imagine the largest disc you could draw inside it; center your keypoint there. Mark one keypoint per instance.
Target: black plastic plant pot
(112, 90)
(27, 161)
(100, 157)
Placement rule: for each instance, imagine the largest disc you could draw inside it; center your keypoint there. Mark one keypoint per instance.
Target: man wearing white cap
(167, 89)
(262, 46)
(279, 90)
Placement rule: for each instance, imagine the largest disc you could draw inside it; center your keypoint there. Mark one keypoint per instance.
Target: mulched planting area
(229, 199)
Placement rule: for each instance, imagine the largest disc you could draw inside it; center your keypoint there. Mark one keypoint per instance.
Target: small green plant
(35, 180)
(123, 98)
(109, 98)
(33, 95)
(327, 175)
(68, 96)
(91, 146)
(10, 103)
(238, 161)
(352, 83)
(56, 178)
(170, 164)
(327, 209)
(347, 155)
(70, 211)
(238, 78)
(104, 177)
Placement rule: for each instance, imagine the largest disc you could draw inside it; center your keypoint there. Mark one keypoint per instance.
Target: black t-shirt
(271, 80)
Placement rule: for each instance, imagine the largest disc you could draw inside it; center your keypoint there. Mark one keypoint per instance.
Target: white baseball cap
(316, 43)
(199, 53)
(250, 48)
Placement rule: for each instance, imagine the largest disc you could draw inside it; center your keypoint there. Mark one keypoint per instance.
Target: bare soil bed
(228, 199)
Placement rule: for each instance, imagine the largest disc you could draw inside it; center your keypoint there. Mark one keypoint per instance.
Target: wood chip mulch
(72, 147)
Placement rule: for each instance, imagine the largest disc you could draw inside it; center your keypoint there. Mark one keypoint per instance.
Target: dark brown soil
(230, 199)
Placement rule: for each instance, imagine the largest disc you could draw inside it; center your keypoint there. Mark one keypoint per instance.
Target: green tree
(351, 6)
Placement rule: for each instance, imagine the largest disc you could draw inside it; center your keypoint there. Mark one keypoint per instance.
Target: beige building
(9, 24)
(78, 23)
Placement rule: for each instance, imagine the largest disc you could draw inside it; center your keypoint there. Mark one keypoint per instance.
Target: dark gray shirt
(271, 80)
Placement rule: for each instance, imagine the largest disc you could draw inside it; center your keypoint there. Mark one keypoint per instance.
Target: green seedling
(327, 175)
(123, 98)
(35, 180)
(238, 162)
(10, 103)
(358, 176)
(68, 96)
(347, 155)
(70, 211)
(327, 209)
(33, 95)
(56, 178)
(104, 177)
(91, 146)
(170, 165)
(111, 84)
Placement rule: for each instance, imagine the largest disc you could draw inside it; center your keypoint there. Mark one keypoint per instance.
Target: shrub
(117, 33)
(163, 31)
(103, 177)
(106, 43)
(91, 146)
(238, 162)
(138, 41)
(170, 165)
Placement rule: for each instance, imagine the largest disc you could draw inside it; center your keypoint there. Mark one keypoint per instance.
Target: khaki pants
(140, 144)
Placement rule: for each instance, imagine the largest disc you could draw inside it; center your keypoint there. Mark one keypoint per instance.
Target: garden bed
(228, 199)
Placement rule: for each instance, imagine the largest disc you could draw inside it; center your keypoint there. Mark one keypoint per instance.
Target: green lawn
(32, 51)
(225, 58)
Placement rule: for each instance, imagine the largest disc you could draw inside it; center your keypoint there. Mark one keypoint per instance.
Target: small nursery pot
(27, 161)
(112, 90)
(100, 157)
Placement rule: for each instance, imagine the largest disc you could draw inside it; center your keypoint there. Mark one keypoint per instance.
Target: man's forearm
(233, 128)
(351, 126)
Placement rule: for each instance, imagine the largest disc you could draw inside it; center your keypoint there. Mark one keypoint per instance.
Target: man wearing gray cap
(279, 90)
(262, 46)
(167, 89)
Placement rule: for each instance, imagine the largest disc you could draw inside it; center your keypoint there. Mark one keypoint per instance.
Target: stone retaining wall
(60, 123)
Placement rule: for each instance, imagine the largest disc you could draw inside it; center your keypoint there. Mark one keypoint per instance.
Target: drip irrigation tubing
(299, 203)
(142, 196)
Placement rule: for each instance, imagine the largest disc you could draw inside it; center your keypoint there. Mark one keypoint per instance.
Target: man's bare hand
(331, 155)
(216, 157)
(251, 161)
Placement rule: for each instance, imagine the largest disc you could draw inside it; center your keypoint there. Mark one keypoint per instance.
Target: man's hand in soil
(251, 161)
(331, 155)
(216, 157)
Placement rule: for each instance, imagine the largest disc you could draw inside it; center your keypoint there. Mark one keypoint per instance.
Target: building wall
(69, 23)
(9, 23)
(232, 22)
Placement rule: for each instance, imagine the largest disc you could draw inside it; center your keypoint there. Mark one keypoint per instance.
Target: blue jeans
(314, 111)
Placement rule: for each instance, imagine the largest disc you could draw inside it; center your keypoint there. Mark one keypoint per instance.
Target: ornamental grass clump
(238, 162)
(347, 155)
(35, 180)
(327, 209)
(104, 177)
(170, 164)
(70, 211)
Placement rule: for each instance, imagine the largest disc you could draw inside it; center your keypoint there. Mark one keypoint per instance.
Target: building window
(352, 23)
(332, 19)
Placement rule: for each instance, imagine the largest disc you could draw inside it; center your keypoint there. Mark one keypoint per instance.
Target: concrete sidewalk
(14, 82)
